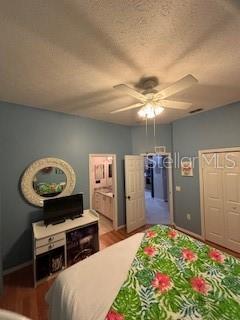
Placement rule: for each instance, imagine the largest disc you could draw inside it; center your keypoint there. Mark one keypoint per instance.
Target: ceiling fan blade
(133, 106)
(168, 104)
(131, 92)
(178, 86)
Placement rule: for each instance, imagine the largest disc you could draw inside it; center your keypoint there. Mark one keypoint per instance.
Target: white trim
(190, 233)
(170, 190)
(121, 227)
(201, 194)
(232, 149)
(155, 154)
(114, 171)
(170, 181)
(18, 267)
(200, 153)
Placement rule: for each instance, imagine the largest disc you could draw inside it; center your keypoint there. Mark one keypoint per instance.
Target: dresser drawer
(51, 239)
(50, 247)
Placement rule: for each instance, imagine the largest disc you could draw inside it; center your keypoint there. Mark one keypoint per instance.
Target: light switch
(178, 188)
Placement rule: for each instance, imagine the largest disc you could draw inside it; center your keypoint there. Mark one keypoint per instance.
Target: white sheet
(87, 290)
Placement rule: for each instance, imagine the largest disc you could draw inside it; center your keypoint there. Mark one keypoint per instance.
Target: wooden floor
(20, 296)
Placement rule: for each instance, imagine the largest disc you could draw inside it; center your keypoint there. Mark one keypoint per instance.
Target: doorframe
(114, 185)
(170, 181)
(202, 208)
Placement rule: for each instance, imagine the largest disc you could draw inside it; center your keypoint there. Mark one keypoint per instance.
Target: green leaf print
(171, 300)
(232, 283)
(185, 242)
(189, 310)
(156, 313)
(236, 270)
(176, 277)
(229, 309)
(128, 303)
(165, 266)
(147, 298)
(145, 277)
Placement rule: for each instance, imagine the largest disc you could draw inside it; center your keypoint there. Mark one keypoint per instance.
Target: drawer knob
(50, 239)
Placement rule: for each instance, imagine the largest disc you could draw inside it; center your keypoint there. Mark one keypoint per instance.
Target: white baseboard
(122, 226)
(16, 268)
(190, 233)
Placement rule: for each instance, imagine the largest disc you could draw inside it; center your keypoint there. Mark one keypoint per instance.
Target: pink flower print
(151, 234)
(172, 234)
(216, 255)
(200, 285)
(150, 251)
(113, 315)
(162, 282)
(189, 255)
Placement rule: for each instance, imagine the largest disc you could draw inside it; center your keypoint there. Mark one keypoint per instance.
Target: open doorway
(103, 190)
(158, 200)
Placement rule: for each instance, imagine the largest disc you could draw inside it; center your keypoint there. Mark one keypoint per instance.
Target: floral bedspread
(174, 276)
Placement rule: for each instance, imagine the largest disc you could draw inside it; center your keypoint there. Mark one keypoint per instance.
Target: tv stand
(57, 222)
(59, 246)
(76, 216)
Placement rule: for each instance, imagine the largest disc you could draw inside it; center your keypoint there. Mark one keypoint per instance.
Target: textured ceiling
(67, 55)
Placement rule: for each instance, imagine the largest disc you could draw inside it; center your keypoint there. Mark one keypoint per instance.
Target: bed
(162, 274)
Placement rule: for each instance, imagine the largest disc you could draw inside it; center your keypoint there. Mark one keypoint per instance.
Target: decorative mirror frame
(28, 176)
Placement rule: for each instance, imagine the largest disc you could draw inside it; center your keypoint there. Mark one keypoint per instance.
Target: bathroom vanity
(103, 202)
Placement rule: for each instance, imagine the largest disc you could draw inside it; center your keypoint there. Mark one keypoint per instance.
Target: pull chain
(154, 127)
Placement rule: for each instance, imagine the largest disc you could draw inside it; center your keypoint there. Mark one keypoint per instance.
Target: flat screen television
(58, 209)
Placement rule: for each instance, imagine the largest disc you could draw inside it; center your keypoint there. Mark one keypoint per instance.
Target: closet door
(231, 182)
(213, 199)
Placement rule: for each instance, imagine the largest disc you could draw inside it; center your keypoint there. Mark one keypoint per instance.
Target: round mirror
(49, 182)
(47, 178)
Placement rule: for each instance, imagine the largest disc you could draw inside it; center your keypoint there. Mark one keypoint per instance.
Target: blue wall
(142, 143)
(28, 134)
(219, 128)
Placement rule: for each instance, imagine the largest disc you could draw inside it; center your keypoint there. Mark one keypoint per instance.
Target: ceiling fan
(152, 101)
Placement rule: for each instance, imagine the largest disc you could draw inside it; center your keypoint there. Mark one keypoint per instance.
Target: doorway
(103, 190)
(157, 189)
(141, 207)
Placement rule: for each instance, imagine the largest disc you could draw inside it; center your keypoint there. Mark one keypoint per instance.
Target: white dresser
(55, 247)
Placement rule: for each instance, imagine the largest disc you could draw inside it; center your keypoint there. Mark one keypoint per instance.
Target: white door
(221, 185)
(134, 192)
(213, 197)
(232, 202)
(213, 202)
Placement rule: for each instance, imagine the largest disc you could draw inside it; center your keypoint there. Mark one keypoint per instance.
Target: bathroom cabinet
(103, 203)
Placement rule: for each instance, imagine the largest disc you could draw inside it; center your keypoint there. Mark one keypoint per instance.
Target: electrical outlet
(178, 188)
(188, 216)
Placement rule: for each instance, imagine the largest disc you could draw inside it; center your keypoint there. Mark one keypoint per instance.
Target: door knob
(129, 197)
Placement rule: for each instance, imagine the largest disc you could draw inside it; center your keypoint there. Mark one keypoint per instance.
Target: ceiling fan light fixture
(150, 111)
(142, 113)
(158, 110)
